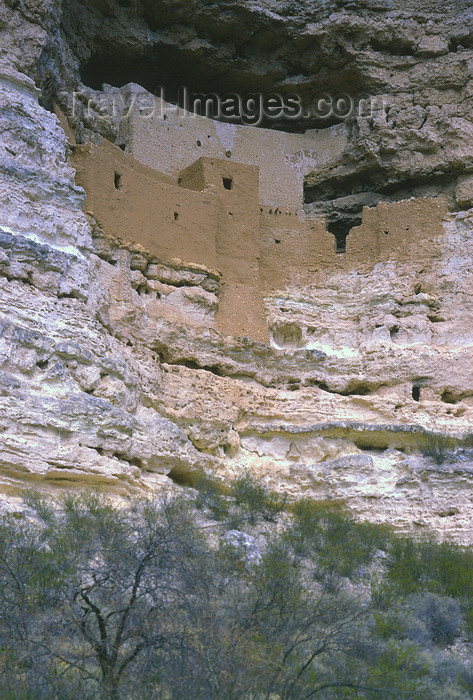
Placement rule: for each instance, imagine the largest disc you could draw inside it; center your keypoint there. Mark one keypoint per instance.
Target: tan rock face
(112, 370)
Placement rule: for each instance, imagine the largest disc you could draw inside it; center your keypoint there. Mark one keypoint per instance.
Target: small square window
(227, 183)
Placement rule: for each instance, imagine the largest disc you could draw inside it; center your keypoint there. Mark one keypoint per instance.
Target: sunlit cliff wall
(102, 383)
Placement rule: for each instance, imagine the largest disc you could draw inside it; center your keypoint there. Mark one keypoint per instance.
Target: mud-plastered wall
(299, 251)
(237, 241)
(140, 205)
(211, 215)
(172, 139)
(210, 218)
(410, 230)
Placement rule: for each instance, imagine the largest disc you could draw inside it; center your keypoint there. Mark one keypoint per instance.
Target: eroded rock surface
(112, 374)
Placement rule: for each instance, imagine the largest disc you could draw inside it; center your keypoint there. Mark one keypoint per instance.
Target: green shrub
(136, 601)
(402, 624)
(337, 544)
(210, 494)
(405, 566)
(427, 566)
(400, 670)
(255, 499)
(437, 446)
(383, 593)
(444, 568)
(441, 616)
(426, 619)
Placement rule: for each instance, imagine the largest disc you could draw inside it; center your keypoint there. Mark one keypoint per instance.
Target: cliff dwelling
(231, 198)
(182, 294)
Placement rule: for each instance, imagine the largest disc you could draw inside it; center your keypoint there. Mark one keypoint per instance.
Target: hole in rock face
(293, 385)
(416, 392)
(117, 180)
(287, 335)
(227, 183)
(395, 47)
(460, 43)
(450, 397)
(176, 215)
(181, 477)
(322, 385)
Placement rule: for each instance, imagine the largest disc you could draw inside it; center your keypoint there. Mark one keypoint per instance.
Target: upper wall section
(297, 251)
(410, 231)
(173, 139)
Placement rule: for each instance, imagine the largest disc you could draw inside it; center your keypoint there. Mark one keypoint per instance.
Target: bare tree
(120, 576)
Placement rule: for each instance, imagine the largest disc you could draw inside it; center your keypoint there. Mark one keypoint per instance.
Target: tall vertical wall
(241, 308)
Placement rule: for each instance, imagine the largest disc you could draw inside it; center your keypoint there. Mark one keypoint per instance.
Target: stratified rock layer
(104, 384)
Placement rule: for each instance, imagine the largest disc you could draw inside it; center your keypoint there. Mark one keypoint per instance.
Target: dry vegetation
(139, 602)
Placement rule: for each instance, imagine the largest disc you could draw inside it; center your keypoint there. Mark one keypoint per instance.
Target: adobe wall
(146, 207)
(171, 142)
(293, 248)
(405, 231)
(211, 215)
(198, 221)
(298, 251)
(237, 241)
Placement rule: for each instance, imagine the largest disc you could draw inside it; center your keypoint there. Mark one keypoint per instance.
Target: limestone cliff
(113, 371)
(415, 56)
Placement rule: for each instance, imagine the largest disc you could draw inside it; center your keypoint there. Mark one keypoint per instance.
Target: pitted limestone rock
(102, 383)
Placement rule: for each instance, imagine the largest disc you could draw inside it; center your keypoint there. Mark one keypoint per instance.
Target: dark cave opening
(377, 184)
(181, 476)
(181, 78)
(160, 73)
